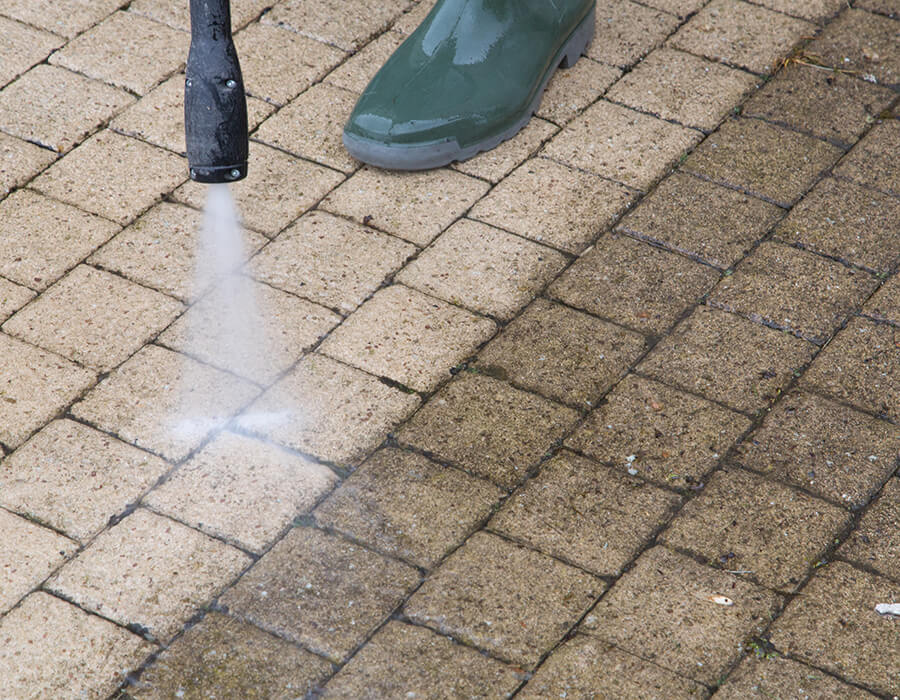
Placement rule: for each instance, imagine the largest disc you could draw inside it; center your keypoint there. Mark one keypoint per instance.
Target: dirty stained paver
(612, 410)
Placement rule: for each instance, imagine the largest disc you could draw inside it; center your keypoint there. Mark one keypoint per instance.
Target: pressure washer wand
(215, 108)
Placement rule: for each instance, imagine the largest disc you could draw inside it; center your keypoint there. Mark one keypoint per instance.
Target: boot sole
(440, 153)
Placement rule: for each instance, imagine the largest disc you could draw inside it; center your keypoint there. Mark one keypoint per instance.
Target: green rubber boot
(468, 78)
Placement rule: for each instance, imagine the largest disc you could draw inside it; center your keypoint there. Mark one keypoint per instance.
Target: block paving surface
(610, 411)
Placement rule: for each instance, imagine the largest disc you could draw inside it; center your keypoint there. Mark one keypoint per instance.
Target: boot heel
(579, 41)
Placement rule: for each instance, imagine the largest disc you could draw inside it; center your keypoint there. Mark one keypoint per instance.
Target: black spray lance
(215, 109)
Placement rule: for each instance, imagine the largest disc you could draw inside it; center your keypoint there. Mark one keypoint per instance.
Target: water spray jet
(215, 108)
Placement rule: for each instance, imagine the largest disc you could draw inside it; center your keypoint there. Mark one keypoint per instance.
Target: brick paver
(610, 410)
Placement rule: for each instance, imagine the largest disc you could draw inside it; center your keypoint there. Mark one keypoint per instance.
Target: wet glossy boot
(468, 78)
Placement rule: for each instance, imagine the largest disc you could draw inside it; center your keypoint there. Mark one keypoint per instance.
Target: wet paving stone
(126, 50)
(330, 260)
(833, 625)
(583, 204)
(222, 657)
(870, 163)
(687, 89)
(242, 490)
(764, 160)
(320, 591)
(413, 662)
(483, 268)
(862, 42)
(626, 31)
(584, 666)
(701, 219)
(356, 72)
(99, 176)
(498, 596)
(633, 283)
(843, 220)
(409, 337)
(885, 304)
(94, 317)
(741, 522)
(486, 426)
(741, 34)
(876, 541)
(36, 385)
(329, 410)
(862, 367)
(778, 677)
(41, 238)
(828, 449)
(663, 610)
(585, 513)
(406, 505)
(75, 478)
(658, 432)
(497, 163)
(71, 107)
(728, 359)
(561, 353)
(56, 649)
(150, 571)
(28, 554)
(415, 206)
(828, 105)
(793, 290)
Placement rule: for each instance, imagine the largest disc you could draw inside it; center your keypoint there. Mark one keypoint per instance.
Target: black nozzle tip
(218, 173)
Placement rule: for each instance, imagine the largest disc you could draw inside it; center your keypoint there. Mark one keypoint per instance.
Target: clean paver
(779, 677)
(485, 426)
(407, 661)
(242, 490)
(728, 359)
(416, 206)
(854, 224)
(483, 268)
(329, 410)
(408, 506)
(115, 176)
(222, 656)
(408, 337)
(22, 47)
(561, 353)
(828, 449)
(126, 50)
(12, 298)
(620, 144)
(356, 72)
(701, 219)
(862, 367)
(70, 108)
(633, 283)
(570, 91)
(28, 554)
(741, 34)
(626, 31)
(767, 161)
(741, 522)
(41, 238)
(330, 260)
(678, 86)
(64, 17)
(585, 513)
(94, 317)
(150, 571)
(583, 665)
(665, 610)
(164, 402)
(75, 478)
(177, 14)
(498, 596)
(497, 163)
(833, 624)
(582, 206)
(36, 386)
(876, 541)
(321, 591)
(19, 162)
(664, 435)
(829, 105)
(51, 648)
(793, 290)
